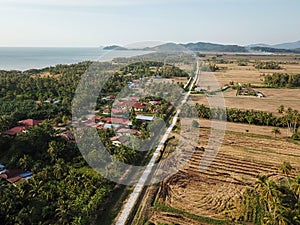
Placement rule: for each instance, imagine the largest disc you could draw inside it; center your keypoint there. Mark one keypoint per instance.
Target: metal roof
(141, 117)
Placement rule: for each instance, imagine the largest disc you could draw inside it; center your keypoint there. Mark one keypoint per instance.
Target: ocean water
(17, 58)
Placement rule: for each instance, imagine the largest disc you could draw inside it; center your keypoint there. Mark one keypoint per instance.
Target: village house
(68, 135)
(30, 122)
(199, 89)
(118, 140)
(15, 130)
(154, 102)
(97, 118)
(260, 95)
(134, 98)
(124, 104)
(15, 176)
(113, 111)
(2, 169)
(91, 123)
(116, 120)
(144, 118)
(110, 126)
(139, 107)
(23, 126)
(127, 132)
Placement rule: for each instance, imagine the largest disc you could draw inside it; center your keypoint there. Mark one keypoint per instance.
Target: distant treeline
(152, 68)
(282, 80)
(290, 118)
(267, 65)
(275, 50)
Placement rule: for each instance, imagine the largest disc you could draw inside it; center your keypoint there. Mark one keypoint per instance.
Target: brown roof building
(15, 130)
(30, 122)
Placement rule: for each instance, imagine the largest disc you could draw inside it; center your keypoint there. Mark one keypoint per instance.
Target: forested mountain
(293, 47)
(200, 46)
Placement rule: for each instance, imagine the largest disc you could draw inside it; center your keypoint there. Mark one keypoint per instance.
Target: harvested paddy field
(274, 98)
(209, 194)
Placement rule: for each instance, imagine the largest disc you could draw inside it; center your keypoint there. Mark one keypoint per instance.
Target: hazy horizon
(151, 45)
(94, 23)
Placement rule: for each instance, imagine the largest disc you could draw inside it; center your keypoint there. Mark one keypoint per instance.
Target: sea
(25, 58)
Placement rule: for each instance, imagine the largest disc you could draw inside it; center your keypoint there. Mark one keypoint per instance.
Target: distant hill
(200, 46)
(259, 45)
(288, 45)
(292, 47)
(166, 47)
(209, 47)
(114, 47)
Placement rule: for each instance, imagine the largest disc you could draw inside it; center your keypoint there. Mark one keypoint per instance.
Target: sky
(91, 23)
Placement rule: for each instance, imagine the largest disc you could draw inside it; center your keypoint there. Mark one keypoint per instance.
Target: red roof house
(15, 130)
(124, 104)
(12, 176)
(107, 120)
(97, 118)
(127, 131)
(138, 106)
(15, 176)
(154, 102)
(113, 110)
(134, 98)
(30, 122)
(117, 121)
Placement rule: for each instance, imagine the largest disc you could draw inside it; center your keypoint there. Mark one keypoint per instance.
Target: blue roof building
(27, 175)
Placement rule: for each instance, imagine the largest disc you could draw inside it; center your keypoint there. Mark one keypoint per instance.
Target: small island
(114, 47)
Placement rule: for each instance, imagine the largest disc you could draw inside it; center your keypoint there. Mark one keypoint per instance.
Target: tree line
(282, 80)
(267, 65)
(289, 118)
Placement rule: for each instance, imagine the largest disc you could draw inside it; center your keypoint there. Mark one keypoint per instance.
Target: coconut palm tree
(281, 109)
(286, 169)
(276, 131)
(296, 187)
(269, 195)
(281, 217)
(25, 162)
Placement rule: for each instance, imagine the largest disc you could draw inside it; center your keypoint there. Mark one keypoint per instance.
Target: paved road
(129, 206)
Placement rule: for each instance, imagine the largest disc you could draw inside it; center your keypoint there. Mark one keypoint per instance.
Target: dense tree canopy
(282, 80)
(63, 189)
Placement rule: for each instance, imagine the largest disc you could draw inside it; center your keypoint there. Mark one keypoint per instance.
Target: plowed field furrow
(222, 157)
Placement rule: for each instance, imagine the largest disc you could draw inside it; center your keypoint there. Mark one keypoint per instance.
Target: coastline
(26, 58)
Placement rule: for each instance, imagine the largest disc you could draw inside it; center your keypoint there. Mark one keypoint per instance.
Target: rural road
(134, 196)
